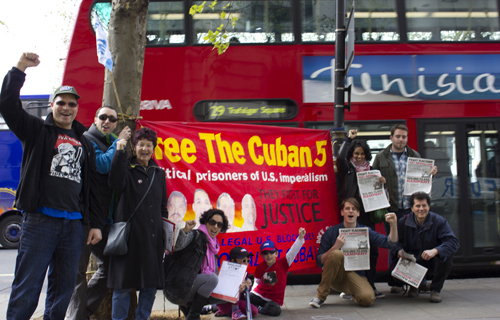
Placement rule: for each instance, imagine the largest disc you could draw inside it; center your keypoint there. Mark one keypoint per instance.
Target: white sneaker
(346, 296)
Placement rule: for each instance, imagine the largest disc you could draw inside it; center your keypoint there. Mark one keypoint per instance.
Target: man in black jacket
(55, 194)
(86, 299)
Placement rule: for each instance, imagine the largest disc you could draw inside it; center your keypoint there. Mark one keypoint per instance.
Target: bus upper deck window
(459, 20)
(375, 20)
(257, 22)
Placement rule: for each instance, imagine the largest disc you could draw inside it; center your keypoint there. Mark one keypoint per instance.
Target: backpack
(181, 268)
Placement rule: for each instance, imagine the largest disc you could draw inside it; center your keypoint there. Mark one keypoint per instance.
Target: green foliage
(217, 37)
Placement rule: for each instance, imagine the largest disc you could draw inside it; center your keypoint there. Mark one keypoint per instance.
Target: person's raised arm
(393, 222)
(290, 255)
(22, 124)
(28, 60)
(116, 177)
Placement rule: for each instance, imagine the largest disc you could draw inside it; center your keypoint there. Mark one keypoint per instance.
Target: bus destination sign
(245, 110)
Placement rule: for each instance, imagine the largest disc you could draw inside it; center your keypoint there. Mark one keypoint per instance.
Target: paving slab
(466, 299)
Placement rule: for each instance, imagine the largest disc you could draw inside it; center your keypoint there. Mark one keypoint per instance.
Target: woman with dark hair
(142, 186)
(212, 222)
(354, 156)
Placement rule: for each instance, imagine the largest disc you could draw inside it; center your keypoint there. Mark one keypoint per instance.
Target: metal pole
(339, 64)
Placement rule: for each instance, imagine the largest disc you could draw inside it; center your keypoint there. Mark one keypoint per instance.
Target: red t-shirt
(275, 292)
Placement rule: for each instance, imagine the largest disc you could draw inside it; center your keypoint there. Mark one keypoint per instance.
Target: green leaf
(206, 37)
(210, 33)
(192, 10)
(222, 15)
(201, 7)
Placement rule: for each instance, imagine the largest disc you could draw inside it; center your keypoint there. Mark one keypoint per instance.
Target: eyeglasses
(103, 117)
(212, 222)
(265, 253)
(63, 103)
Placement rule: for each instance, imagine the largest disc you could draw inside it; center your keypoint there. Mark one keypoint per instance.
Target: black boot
(196, 305)
(184, 309)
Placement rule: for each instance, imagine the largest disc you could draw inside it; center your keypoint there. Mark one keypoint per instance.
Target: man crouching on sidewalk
(331, 258)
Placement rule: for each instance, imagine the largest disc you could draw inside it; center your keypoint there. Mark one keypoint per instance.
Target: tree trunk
(127, 41)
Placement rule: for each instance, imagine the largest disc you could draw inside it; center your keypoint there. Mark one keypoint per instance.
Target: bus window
(165, 23)
(318, 20)
(440, 145)
(458, 20)
(484, 165)
(375, 134)
(258, 21)
(375, 20)
(103, 10)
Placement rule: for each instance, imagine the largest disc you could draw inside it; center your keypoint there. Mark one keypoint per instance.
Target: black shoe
(378, 295)
(196, 305)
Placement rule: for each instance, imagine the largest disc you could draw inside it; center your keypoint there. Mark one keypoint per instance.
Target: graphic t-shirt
(63, 183)
(277, 272)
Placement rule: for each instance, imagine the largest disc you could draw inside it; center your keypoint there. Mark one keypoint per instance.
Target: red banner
(269, 181)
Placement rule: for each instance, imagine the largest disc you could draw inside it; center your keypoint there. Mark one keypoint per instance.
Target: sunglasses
(103, 117)
(246, 260)
(212, 222)
(63, 103)
(265, 253)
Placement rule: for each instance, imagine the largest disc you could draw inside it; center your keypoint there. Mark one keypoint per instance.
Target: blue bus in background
(10, 168)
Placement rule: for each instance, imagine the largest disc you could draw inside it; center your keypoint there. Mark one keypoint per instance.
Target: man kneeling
(330, 257)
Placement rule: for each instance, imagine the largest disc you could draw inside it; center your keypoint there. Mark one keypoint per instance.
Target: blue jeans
(121, 303)
(46, 242)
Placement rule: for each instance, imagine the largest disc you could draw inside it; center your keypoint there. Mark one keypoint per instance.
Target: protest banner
(269, 181)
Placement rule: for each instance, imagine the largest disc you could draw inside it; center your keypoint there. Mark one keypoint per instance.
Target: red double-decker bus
(432, 65)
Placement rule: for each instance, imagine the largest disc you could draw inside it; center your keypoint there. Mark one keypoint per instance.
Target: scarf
(208, 264)
(364, 166)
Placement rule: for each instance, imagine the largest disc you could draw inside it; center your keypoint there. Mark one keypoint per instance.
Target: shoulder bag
(117, 244)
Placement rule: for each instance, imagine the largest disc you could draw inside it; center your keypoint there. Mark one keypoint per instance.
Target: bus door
(466, 190)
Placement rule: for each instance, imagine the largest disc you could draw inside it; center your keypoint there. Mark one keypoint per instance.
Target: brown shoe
(396, 289)
(413, 292)
(435, 297)
(425, 287)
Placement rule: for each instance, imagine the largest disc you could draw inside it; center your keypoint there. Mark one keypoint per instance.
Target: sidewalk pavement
(462, 299)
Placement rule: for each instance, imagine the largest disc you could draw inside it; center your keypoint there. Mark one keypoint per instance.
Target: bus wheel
(10, 231)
